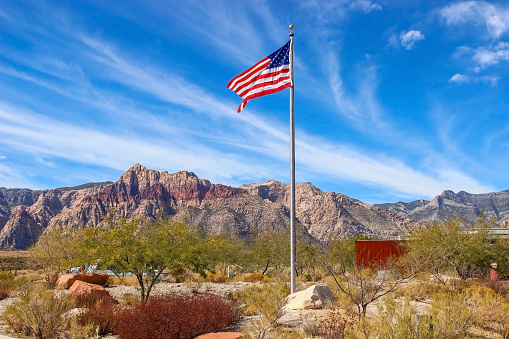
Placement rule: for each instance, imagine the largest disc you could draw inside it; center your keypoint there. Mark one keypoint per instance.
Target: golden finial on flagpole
(291, 27)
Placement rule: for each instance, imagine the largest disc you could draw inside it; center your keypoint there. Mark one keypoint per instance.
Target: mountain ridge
(243, 210)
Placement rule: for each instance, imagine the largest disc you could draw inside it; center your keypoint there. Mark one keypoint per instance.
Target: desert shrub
(397, 319)
(77, 331)
(176, 316)
(6, 279)
(288, 333)
(10, 282)
(129, 280)
(262, 299)
(253, 278)
(452, 314)
(38, 313)
(217, 277)
(4, 293)
(93, 299)
(501, 287)
(492, 311)
(266, 301)
(418, 290)
(219, 274)
(333, 326)
(129, 299)
(51, 280)
(98, 320)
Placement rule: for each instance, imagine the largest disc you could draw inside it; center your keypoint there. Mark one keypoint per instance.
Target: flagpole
(293, 261)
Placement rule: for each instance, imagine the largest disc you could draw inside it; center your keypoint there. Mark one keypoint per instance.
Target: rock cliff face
(142, 192)
(326, 214)
(465, 205)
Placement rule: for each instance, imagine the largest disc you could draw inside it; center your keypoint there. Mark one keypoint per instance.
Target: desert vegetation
(439, 288)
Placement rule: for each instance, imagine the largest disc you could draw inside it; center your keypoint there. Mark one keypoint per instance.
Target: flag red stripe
(264, 79)
(267, 73)
(264, 88)
(262, 93)
(241, 82)
(258, 66)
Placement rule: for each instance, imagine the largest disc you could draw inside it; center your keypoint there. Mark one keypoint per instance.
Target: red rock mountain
(142, 192)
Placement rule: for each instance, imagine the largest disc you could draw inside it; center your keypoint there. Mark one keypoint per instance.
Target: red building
(376, 253)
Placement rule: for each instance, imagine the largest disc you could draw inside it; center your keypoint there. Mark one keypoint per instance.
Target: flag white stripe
(265, 88)
(246, 77)
(266, 79)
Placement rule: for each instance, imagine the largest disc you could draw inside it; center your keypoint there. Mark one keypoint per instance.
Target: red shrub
(4, 293)
(99, 315)
(176, 317)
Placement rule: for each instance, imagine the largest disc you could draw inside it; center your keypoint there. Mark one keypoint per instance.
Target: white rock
(313, 297)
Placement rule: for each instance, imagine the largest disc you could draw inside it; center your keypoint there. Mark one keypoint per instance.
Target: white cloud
(478, 13)
(491, 55)
(393, 42)
(459, 78)
(365, 6)
(44, 162)
(482, 17)
(408, 39)
(464, 78)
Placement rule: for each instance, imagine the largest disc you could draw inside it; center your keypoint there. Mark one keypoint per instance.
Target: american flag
(270, 75)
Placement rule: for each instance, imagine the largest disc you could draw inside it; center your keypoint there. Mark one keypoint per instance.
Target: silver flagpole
(293, 261)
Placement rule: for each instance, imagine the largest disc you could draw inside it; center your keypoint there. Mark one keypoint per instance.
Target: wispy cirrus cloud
(465, 79)
(365, 5)
(159, 117)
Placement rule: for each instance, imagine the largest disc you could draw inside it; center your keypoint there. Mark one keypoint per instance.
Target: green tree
(307, 264)
(270, 250)
(140, 247)
(453, 244)
(146, 249)
(58, 249)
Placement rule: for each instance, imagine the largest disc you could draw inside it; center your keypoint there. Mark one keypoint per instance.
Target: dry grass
(123, 281)
(13, 254)
(15, 261)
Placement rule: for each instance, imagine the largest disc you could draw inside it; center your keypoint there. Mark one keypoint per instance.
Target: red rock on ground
(81, 288)
(221, 335)
(67, 280)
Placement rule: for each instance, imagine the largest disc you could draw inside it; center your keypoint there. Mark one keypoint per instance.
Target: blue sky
(394, 100)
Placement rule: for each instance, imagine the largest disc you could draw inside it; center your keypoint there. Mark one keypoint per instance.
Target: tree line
(149, 249)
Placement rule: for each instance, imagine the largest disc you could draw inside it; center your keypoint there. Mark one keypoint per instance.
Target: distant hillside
(465, 205)
(142, 192)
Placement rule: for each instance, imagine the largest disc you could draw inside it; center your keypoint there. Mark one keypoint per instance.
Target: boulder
(313, 297)
(67, 280)
(221, 335)
(84, 289)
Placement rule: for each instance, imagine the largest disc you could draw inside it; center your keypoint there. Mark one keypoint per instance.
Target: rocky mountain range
(244, 210)
(462, 204)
